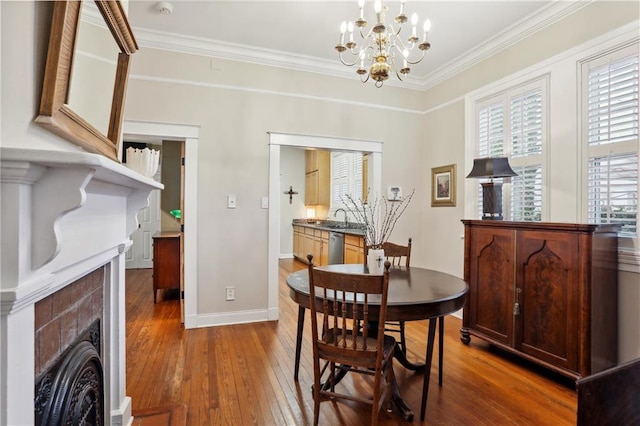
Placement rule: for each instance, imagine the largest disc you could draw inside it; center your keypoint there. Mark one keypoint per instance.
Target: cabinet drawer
(353, 240)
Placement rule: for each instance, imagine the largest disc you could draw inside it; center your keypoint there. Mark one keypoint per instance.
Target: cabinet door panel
(547, 277)
(311, 189)
(491, 283)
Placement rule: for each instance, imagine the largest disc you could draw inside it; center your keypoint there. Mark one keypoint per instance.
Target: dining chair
(342, 339)
(401, 256)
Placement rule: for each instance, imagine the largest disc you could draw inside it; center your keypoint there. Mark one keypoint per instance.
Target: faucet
(335, 214)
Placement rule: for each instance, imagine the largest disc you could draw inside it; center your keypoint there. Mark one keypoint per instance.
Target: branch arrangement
(378, 217)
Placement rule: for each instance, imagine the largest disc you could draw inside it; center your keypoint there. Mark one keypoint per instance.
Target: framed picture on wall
(443, 186)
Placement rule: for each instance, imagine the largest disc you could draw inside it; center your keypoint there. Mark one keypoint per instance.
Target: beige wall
(237, 104)
(554, 52)
(235, 110)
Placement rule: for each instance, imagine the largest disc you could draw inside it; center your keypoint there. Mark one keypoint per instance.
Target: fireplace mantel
(63, 214)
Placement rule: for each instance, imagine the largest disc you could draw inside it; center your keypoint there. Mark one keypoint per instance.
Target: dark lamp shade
(491, 167)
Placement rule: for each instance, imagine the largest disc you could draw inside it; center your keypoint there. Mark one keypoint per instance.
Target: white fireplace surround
(64, 214)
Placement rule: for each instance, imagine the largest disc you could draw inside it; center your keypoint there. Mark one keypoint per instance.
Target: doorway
(278, 140)
(149, 132)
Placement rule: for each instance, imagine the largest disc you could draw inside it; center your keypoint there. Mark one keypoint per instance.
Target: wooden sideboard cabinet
(547, 292)
(166, 261)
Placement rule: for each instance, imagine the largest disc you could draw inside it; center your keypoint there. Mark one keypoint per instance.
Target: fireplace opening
(71, 391)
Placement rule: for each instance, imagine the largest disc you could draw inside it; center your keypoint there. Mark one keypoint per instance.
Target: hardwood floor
(243, 374)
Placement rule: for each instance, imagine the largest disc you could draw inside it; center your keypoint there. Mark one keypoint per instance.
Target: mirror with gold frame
(56, 113)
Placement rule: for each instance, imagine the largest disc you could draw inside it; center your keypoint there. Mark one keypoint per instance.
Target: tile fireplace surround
(63, 216)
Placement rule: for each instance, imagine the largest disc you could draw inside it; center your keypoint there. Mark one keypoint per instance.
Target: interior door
(182, 167)
(140, 255)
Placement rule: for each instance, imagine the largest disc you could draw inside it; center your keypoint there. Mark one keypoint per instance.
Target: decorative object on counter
(491, 167)
(378, 218)
(383, 48)
(394, 193)
(290, 193)
(176, 213)
(443, 186)
(144, 161)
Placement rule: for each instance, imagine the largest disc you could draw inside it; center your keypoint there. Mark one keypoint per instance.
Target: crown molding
(153, 39)
(511, 35)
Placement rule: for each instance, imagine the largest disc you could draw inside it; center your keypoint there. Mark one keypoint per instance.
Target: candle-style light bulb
(362, 59)
(343, 28)
(414, 21)
(405, 54)
(350, 29)
(427, 27)
(378, 8)
(402, 7)
(361, 6)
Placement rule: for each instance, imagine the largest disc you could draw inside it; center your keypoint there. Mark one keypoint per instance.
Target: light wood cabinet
(353, 249)
(311, 241)
(317, 187)
(544, 291)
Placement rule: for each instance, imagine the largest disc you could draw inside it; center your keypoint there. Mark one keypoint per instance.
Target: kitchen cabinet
(310, 240)
(353, 249)
(317, 187)
(544, 291)
(166, 261)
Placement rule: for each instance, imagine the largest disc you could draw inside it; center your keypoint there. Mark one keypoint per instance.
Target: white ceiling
(302, 34)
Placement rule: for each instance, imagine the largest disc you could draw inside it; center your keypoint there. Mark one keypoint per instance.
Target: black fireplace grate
(71, 392)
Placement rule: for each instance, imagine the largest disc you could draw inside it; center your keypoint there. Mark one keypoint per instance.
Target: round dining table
(414, 294)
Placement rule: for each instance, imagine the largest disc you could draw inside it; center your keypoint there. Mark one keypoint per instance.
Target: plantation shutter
(346, 177)
(491, 135)
(356, 187)
(612, 140)
(339, 177)
(512, 125)
(527, 132)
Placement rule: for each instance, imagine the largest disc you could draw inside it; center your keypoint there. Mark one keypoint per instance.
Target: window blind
(612, 139)
(512, 124)
(526, 190)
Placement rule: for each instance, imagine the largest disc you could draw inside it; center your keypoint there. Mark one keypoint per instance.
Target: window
(346, 177)
(513, 124)
(610, 134)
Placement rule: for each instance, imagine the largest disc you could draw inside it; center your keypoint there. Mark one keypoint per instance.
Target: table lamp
(491, 167)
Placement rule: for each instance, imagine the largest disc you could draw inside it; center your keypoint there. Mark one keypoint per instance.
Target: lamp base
(492, 200)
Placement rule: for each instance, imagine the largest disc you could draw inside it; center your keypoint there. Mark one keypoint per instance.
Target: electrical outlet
(231, 201)
(231, 293)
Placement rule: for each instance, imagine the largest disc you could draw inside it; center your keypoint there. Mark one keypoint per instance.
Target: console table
(166, 261)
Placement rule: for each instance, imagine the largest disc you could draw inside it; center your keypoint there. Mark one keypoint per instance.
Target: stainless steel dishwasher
(336, 248)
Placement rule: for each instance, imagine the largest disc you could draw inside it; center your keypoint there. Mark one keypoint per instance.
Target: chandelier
(382, 49)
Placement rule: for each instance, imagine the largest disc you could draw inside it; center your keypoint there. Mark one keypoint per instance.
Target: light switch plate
(264, 202)
(231, 201)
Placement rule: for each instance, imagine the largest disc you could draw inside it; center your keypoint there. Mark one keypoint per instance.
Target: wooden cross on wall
(290, 193)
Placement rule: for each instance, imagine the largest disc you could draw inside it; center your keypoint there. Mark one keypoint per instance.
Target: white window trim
(584, 151)
(472, 105)
(629, 248)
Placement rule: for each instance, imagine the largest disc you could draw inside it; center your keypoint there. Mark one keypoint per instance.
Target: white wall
(25, 36)
(292, 168)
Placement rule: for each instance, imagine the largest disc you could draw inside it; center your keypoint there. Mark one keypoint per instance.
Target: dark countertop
(331, 226)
